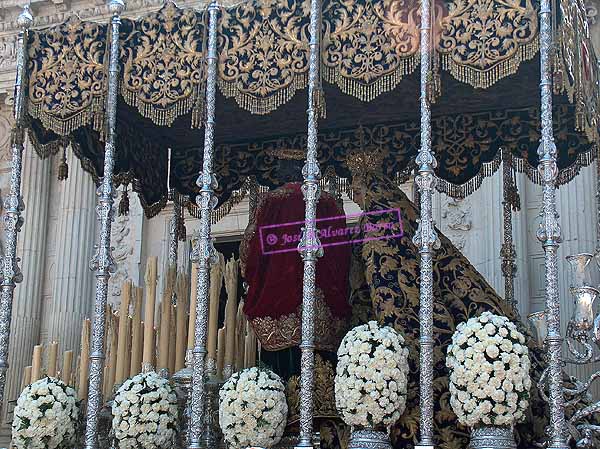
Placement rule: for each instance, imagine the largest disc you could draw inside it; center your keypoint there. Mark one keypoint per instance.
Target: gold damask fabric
(263, 56)
(391, 275)
(67, 77)
(164, 67)
(505, 32)
(367, 47)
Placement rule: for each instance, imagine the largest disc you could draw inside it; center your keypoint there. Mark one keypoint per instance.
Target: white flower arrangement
(46, 416)
(371, 376)
(252, 409)
(145, 413)
(489, 372)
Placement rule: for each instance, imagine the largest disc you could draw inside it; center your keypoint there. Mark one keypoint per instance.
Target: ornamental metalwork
(426, 238)
(549, 235)
(13, 205)
(206, 253)
(102, 262)
(310, 246)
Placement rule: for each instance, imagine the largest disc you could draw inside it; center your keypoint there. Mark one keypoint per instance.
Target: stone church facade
(57, 239)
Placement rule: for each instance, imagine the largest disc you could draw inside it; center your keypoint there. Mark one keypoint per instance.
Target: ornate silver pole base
(183, 385)
(492, 437)
(212, 436)
(369, 439)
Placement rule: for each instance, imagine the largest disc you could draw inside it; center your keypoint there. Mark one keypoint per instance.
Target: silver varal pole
(206, 251)
(102, 262)
(549, 234)
(11, 273)
(426, 237)
(310, 246)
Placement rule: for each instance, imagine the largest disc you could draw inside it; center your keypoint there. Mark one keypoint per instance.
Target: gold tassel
(63, 168)
(181, 231)
(124, 203)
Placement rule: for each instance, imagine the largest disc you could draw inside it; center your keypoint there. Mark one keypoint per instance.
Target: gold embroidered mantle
(284, 332)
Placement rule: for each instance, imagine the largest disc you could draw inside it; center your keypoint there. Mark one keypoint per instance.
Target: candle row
(35, 371)
(161, 340)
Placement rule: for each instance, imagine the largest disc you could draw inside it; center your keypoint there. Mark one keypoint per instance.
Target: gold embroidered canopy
(486, 93)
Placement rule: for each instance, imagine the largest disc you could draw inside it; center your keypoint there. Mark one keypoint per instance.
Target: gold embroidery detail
(324, 392)
(67, 76)
(294, 155)
(264, 56)
(164, 65)
(284, 332)
(506, 33)
(369, 46)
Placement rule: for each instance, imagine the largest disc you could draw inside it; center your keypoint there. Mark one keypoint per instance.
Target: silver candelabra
(583, 349)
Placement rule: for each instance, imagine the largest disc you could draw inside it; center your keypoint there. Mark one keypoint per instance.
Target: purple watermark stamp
(331, 231)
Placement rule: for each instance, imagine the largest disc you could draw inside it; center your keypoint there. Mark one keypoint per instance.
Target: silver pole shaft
(310, 246)
(426, 236)
(11, 273)
(549, 234)
(206, 251)
(102, 262)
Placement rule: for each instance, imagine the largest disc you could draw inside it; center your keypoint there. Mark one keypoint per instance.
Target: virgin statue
(384, 284)
(273, 271)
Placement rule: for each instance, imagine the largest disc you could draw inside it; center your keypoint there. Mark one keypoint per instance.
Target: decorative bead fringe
(367, 91)
(565, 175)
(163, 116)
(464, 190)
(92, 114)
(484, 79)
(259, 104)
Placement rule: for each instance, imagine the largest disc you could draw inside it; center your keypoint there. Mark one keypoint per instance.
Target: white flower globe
(145, 413)
(46, 416)
(371, 376)
(253, 409)
(489, 372)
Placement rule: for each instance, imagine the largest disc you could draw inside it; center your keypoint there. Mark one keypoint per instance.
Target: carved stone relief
(126, 241)
(456, 216)
(123, 250)
(4, 138)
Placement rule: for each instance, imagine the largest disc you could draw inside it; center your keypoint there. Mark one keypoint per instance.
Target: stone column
(73, 291)
(26, 317)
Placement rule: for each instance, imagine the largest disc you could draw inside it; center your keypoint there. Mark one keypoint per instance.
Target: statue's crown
(364, 162)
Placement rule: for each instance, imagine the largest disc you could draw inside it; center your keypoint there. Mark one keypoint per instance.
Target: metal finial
(116, 7)
(25, 19)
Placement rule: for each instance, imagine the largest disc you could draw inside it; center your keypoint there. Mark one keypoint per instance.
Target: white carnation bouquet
(371, 376)
(46, 416)
(252, 409)
(489, 372)
(145, 413)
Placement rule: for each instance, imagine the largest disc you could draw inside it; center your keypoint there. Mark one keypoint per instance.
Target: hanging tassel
(63, 167)
(319, 103)
(124, 203)
(181, 231)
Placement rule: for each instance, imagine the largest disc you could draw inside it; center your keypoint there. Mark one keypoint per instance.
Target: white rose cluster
(252, 409)
(145, 413)
(46, 416)
(371, 376)
(489, 372)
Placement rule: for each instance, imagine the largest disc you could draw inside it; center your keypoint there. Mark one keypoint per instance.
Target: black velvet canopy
(485, 78)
